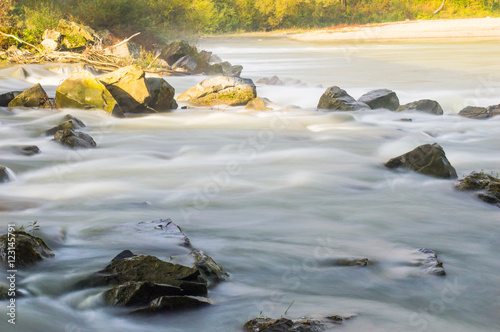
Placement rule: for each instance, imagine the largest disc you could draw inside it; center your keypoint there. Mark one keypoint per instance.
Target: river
(272, 196)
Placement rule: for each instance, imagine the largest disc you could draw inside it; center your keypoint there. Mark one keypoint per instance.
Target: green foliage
(37, 19)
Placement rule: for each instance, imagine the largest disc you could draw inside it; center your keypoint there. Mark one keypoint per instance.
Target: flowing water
(273, 196)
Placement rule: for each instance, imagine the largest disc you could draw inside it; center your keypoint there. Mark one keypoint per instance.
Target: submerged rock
(6, 98)
(32, 97)
(381, 98)
(266, 324)
(337, 99)
(257, 104)
(429, 262)
(172, 303)
(486, 186)
(473, 112)
(232, 91)
(27, 150)
(424, 105)
(28, 248)
(74, 139)
(82, 90)
(4, 174)
(135, 93)
(428, 159)
(208, 268)
(351, 262)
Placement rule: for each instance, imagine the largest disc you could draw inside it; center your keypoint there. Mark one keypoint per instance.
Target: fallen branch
(440, 7)
(123, 41)
(21, 41)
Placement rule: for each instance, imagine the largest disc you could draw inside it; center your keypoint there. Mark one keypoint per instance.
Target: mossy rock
(221, 90)
(428, 159)
(75, 36)
(82, 90)
(29, 249)
(32, 97)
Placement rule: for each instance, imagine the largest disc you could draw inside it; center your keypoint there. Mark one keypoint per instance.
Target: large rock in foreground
(424, 105)
(135, 93)
(428, 159)
(82, 90)
(335, 98)
(32, 97)
(487, 186)
(381, 98)
(28, 248)
(221, 90)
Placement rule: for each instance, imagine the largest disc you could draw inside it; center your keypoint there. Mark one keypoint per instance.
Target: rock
(185, 64)
(351, 262)
(428, 159)
(28, 249)
(234, 71)
(49, 45)
(337, 99)
(474, 112)
(27, 150)
(257, 104)
(70, 124)
(218, 90)
(76, 121)
(208, 268)
(82, 90)
(429, 262)
(6, 98)
(74, 139)
(4, 292)
(487, 186)
(424, 105)
(5, 174)
(381, 98)
(32, 97)
(124, 254)
(274, 80)
(75, 36)
(164, 228)
(265, 324)
(291, 81)
(126, 50)
(494, 110)
(162, 94)
(53, 35)
(171, 303)
(139, 293)
(214, 59)
(146, 268)
(264, 80)
(135, 93)
(176, 50)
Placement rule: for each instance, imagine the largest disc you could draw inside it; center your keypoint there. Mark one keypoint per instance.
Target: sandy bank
(473, 28)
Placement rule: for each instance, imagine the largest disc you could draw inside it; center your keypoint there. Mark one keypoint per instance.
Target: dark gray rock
(124, 254)
(428, 159)
(185, 64)
(27, 150)
(208, 268)
(424, 105)
(4, 292)
(70, 124)
(487, 187)
(337, 99)
(74, 139)
(139, 293)
(29, 249)
(4, 174)
(176, 50)
(6, 98)
(381, 98)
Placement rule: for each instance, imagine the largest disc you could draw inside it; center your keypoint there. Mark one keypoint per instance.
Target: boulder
(172, 303)
(139, 293)
(162, 94)
(126, 50)
(234, 71)
(185, 64)
(75, 36)
(208, 268)
(218, 90)
(28, 249)
(27, 150)
(428, 261)
(82, 90)
(176, 50)
(473, 112)
(337, 99)
(494, 110)
(214, 58)
(53, 35)
(74, 139)
(50, 45)
(71, 123)
(5, 174)
(32, 97)
(428, 159)
(6, 98)
(135, 93)
(487, 186)
(424, 105)
(381, 98)
(257, 104)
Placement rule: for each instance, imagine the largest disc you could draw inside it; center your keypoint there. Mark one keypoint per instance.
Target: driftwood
(440, 7)
(20, 40)
(123, 41)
